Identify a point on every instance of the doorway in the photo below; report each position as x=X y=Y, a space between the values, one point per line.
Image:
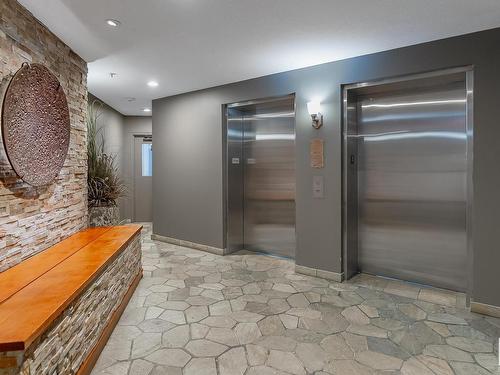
x=143 y=179
x=260 y=186
x=407 y=179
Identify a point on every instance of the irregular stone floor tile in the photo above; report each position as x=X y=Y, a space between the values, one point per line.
x=196 y=313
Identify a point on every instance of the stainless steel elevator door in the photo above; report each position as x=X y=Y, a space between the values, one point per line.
x=234 y=189
x=412 y=171
x=269 y=178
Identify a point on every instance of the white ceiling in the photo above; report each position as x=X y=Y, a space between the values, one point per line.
x=187 y=45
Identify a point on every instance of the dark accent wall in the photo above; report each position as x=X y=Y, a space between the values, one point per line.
x=188 y=138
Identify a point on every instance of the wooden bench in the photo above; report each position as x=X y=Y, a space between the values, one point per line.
x=58 y=308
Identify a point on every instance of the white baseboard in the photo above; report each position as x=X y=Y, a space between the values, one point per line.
x=192 y=245
x=329 y=275
x=485 y=309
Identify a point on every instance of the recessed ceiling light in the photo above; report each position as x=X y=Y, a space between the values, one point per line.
x=152 y=83
x=146 y=109
x=113 y=23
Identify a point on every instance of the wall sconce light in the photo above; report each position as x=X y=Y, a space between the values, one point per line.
x=314 y=109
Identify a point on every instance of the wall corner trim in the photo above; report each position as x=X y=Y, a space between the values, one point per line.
x=485 y=309
x=329 y=275
x=192 y=245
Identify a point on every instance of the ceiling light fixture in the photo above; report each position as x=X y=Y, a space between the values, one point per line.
x=113 y=23
x=146 y=109
x=152 y=84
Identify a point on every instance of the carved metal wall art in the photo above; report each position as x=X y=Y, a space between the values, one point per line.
x=35 y=124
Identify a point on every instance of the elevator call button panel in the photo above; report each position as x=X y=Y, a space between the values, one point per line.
x=318 y=187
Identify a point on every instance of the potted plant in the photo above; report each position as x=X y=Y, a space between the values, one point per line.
x=104 y=183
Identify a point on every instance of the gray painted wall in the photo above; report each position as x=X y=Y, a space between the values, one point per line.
x=118 y=131
x=110 y=125
x=188 y=139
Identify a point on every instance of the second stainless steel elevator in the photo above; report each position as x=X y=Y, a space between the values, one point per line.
x=408 y=178
x=260 y=178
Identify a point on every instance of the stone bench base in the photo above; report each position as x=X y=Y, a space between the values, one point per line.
x=74 y=340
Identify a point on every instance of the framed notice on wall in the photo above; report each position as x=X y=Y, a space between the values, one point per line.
x=316 y=153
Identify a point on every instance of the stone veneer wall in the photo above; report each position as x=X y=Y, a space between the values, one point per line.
x=67 y=342
x=33 y=219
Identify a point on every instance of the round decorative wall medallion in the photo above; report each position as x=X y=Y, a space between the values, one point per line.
x=35 y=124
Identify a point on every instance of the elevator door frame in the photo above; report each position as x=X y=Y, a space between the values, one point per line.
x=225 y=156
x=349 y=124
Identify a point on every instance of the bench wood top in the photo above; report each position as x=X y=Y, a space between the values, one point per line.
x=38 y=289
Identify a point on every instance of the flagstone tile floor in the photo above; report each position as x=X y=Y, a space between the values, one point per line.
x=196 y=313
